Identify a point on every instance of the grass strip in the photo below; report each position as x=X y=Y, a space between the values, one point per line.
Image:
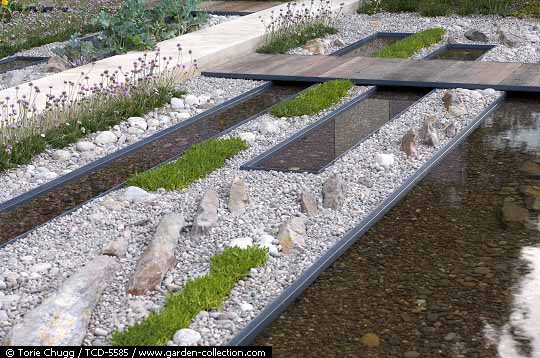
x=411 y=44
x=100 y=115
x=203 y=293
x=196 y=163
x=283 y=42
x=314 y=100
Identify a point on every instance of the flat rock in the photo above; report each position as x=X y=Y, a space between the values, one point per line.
x=85 y=146
x=238 y=196
x=476 y=35
x=106 y=137
x=333 y=192
x=158 y=257
x=62 y=319
x=315 y=46
x=117 y=247
x=191 y=100
x=187 y=337
x=384 y=160
x=61 y=154
x=308 y=203
x=138 y=122
x=137 y=195
x=177 y=103
x=292 y=234
x=207 y=214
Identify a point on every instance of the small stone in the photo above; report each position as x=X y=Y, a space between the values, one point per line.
x=384 y=160
x=61 y=154
x=187 y=337
x=333 y=192
x=137 y=195
x=409 y=143
x=85 y=146
x=41 y=268
x=457 y=111
x=177 y=103
x=450 y=337
x=245 y=307
x=238 y=196
x=292 y=234
x=191 y=100
x=247 y=136
x=450 y=130
x=138 y=122
x=370 y=340
x=117 y=247
x=315 y=46
x=476 y=35
x=106 y=137
x=449 y=99
x=100 y=332
x=268 y=127
x=308 y=203
x=228 y=316
x=241 y=242
x=3 y=316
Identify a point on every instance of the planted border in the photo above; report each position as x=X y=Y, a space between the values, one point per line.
x=410 y=45
x=196 y=163
x=314 y=100
x=204 y=293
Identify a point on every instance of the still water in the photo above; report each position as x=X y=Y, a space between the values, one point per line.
x=442 y=275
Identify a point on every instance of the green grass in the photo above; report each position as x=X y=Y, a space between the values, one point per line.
x=100 y=115
x=204 y=293
x=314 y=100
x=283 y=42
x=410 y=45
x=196 y=163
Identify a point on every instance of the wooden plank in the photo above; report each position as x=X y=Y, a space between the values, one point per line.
x=346 y=69
x=525 y=75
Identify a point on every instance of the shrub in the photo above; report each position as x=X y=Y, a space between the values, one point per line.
x=83 y=109
x=297 y=25
x=196 y=163
x=203 y=293
x=411 y=44
x=314 y=99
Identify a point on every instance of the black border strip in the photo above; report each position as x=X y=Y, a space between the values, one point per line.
x=224 y=106
x=252 y=164
x=99 y=163
x=447 y=47
x=278 y=305
x=365 y=40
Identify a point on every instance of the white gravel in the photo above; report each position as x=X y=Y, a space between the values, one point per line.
x=69 y=242
x=352 y=28
x=46 y=166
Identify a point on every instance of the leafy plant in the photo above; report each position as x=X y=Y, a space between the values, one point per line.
x=196 y=163
x=135 y=27
x=314 y=100
x=408 y=46
x=203 y=293
x=79 y=52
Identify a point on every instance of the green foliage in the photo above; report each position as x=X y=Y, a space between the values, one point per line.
x=529 y=9
x=105 y=113
x=314 y=100
x=78 y=52
x=285 y=42
x=196 y=163
x=410 y=45
x=203 y=293
x=135 y=27
x=438 y=7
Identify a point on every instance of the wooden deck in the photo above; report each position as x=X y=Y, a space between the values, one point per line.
x=238 y=6
x=382 y=71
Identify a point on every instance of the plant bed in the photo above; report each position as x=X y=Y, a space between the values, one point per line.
x=273 y=198
x=370 y=45
x=412 y=44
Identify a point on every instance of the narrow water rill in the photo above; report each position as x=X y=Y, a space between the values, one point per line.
x=369 y=46
x=22 y=214
x=19 y=62
x=336 y=134
x=452 y=271
x=460 y=52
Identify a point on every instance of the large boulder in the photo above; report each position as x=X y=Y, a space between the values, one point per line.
x=333 y=192
x=292 y=234
x=62 y=319
x=476 y=35
x=158 y=257
x=207 y=214
x=238 y=196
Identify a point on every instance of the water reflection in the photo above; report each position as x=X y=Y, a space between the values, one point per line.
x=459 y=54
x=320 y=147
x=373 y=46
x=444 y=274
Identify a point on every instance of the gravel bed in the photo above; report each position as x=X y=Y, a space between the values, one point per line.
x=55 y=163
x=31 y=73
x=69 y=242
x=352 y=28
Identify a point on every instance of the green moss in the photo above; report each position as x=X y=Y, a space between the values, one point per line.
x=410 y=45
x=314 y=100
x=204 y=293
x=196 y=163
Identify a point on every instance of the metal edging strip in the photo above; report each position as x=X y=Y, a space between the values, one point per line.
x=30 y=195
x=251 y=165
x=277 y=306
